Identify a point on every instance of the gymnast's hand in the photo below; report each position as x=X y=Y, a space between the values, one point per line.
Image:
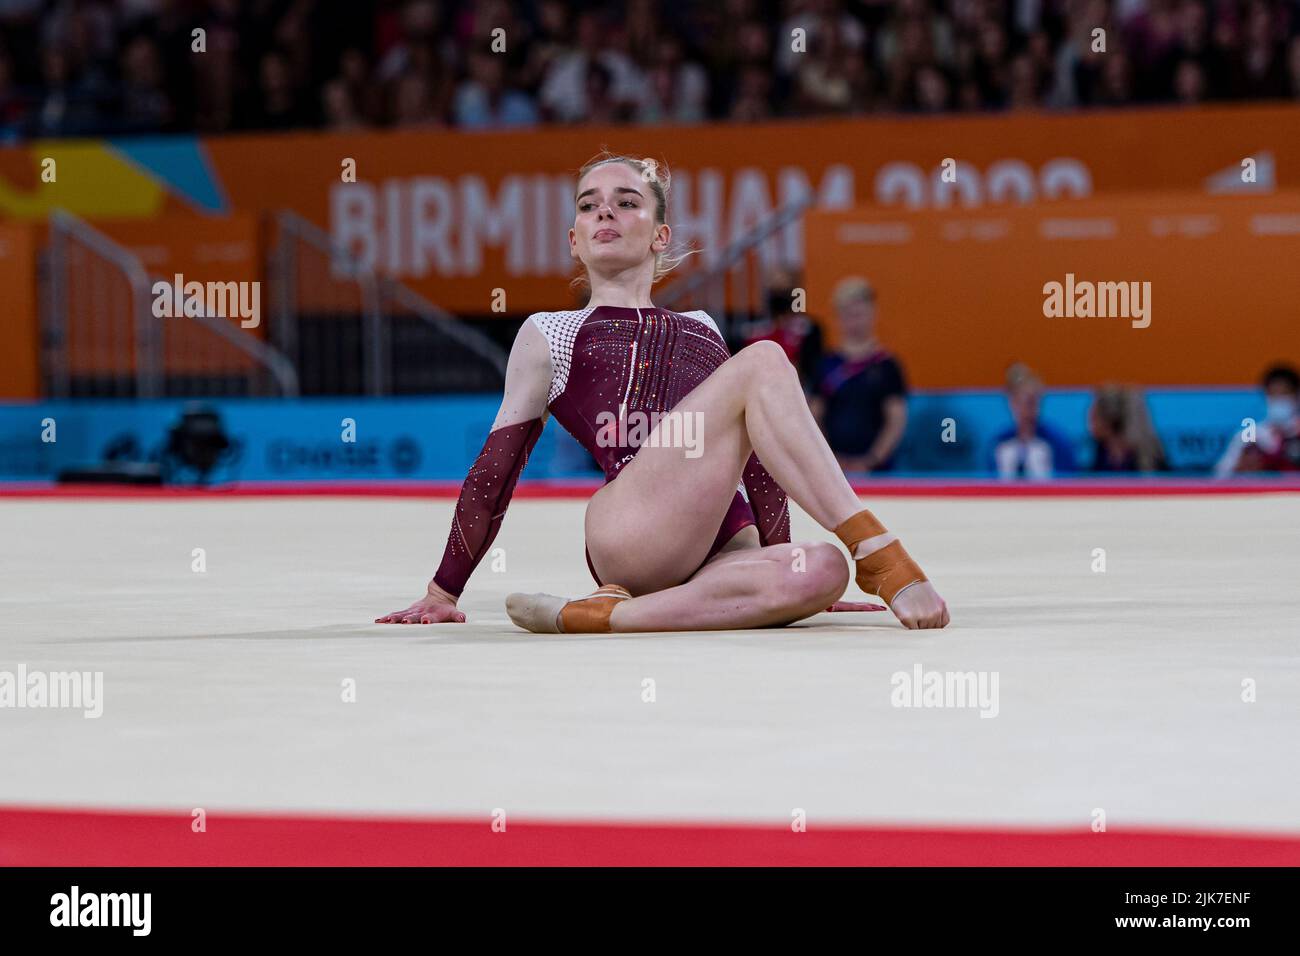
x=436 y=607
x=856 y=606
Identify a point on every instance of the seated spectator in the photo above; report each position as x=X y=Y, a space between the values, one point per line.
x=414 y=102
x=603 y=107
x=366 y=98
x=66 y=106
x=821 y=82
x=550 y=42
x=571 y=81
x=419 y=26
x=144 y=104
x=860 y=396
x=676 y=91
x=1259 y=70
x=930 y=92
x=1276 y=444
x=13 y=107
x=339 y=107
x=799 y=336
x=753 y=100
x=276 y=106
x=1122 y=434
x=484 y=101
x=1293 y=66
x=1030 y=448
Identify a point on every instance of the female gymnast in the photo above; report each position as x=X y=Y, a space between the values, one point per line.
x=678 y=539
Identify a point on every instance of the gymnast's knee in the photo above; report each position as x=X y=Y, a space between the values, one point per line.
x=765 y=358
x=815 y=576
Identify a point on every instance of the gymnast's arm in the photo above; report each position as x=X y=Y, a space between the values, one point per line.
x=486 y=493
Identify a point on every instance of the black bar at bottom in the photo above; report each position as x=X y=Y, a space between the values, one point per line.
x=331 y=906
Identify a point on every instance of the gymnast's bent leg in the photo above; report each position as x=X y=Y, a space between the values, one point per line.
x=656 y=521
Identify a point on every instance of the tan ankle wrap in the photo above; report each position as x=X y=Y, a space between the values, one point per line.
x=888 y=571
x=860 y=527
x=590 y=615
x=884 y=572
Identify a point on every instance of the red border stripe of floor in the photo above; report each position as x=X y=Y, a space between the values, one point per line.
x=40 y=837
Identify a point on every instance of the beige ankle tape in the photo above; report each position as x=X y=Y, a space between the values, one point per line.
x=888 y=571
x=860 y=527
x=590 y=615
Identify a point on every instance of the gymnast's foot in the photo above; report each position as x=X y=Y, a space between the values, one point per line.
x=919 y=607
x=548 y=614
x=885 y=568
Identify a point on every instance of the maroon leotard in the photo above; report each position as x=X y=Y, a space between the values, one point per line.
x=606 y=359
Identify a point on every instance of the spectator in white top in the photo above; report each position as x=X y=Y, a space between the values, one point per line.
x=564 y=93
x=816 y=18
x=1030 y=448
x=483 y=101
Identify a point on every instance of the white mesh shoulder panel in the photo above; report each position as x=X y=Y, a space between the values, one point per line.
x=704 y=317
x=560 y=329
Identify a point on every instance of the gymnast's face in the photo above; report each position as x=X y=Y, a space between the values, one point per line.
x=614 y=226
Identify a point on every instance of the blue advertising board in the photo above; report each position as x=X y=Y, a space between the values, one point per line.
x=436 y=439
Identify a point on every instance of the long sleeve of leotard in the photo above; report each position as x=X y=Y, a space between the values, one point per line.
x=483 y=501
x=769 y=503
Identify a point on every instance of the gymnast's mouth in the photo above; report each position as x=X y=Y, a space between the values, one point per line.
x=606 y=235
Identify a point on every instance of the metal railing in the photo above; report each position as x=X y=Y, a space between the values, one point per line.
x=102 y=337
x=271 y=359
x=734 y=289
x=352 y=331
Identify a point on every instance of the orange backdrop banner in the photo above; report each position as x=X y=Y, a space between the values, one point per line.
x=200 y=248
x=460 y=216
x=477 y=222
x=20 y=349
x=1156 y=289
x=470 y=218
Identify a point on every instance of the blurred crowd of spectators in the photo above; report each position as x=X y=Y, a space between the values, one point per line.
x=96 y=67
x=1123 y=437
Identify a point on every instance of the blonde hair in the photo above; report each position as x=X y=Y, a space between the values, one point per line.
x=657 y=176
x=1021 y=376
x=1124 y=409
x=853 y=289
